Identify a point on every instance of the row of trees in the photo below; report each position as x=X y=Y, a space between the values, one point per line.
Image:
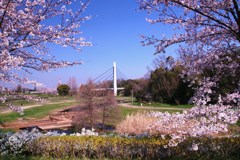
x=163 y=84
x=166 y=83
x=207 y=41
x=209 y=33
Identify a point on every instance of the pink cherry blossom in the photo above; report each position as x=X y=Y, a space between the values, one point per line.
x=25 y=30
x=207 y=34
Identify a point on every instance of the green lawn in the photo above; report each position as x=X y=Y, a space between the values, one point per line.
x=125 y=111
x=36 y=112
x=60 y=98
x=49 y=98
x=18 y=103
x=42 y=111
x=156 y=104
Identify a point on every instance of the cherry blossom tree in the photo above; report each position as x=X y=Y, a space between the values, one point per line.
x=26 y=29
x=208 y=39
x=27 y=26
x=207 y=34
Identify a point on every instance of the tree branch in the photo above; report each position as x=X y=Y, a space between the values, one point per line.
x=5 y=12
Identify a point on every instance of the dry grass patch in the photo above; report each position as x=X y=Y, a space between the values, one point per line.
x=136 y=123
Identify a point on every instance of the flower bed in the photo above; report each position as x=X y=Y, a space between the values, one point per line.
x=134 y=148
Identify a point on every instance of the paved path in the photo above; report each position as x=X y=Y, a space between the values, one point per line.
x=128 y=105
x=7 y=110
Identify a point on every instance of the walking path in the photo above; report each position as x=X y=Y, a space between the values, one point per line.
x=128 y=105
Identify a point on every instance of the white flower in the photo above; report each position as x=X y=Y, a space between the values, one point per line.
x=194 y=147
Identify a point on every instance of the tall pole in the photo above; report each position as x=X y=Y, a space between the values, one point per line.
x=114 y=79
x=132 y=95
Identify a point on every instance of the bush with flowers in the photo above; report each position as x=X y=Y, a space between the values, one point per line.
x=88 y=144
x=16 y=143
x=100 y=147
x=202 y=120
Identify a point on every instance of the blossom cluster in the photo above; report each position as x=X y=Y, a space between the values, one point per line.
x=205 y=120
x=19 y=108
x=15 y=143
x=16 y=108
x=208 y=45
x=203 y=22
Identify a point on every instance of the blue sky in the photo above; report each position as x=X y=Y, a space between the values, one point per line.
x=114 y=31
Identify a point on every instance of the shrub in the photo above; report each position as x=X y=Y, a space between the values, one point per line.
x=134 y=148
x=15 y=143
x=96 y=147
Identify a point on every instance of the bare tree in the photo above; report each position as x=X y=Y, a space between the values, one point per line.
x=97 y=105
x=72 y=83
x=87 y=103
x=107 y=107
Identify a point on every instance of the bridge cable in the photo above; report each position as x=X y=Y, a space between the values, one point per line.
x=102 y=74
x=105 y=77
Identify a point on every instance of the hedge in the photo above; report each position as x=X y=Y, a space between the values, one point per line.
x=134 y=148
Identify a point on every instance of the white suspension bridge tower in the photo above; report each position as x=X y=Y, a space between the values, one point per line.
x=114 y=79
x=112 y=72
